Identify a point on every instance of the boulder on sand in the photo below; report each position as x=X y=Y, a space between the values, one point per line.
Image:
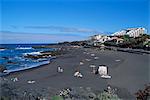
x=78 y=74
x=103 y=71
x=59 y=69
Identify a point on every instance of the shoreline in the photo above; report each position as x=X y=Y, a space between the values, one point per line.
x=121 y=71
x=43 y=58
x=7 y=72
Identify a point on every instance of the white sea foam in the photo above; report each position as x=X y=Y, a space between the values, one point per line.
x=33 y=53
x=41 y=59
x=24 y=68
x=24 y=48
x=2 y=49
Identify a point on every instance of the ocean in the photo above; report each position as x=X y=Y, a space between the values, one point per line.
x=12 y=56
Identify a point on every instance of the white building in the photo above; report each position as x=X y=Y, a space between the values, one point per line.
x=132 y=32
x=100 y=38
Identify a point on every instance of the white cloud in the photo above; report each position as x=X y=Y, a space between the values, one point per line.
x=15 y=37
x=64 y=29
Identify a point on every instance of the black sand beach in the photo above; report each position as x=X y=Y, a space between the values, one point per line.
x=130 y=72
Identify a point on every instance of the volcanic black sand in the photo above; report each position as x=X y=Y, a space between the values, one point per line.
x=129 y=72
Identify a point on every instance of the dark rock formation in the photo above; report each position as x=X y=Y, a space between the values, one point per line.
x=2 y=68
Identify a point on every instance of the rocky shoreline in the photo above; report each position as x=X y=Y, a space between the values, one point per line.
x=39 y=56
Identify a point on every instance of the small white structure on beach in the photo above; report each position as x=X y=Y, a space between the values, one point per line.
x=103 y=71
x=78 y=74
x=93 y=68
x=31 y=82
x=92 y=54
x=88 y=60
x=81 y=63
x=14 y=79
x=60 y=70
x=117 y=60
x=96 y=58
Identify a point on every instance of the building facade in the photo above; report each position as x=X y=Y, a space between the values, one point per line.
x=100 y=38
x=132 y=32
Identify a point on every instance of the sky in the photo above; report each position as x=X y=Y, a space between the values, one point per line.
x=50 y=21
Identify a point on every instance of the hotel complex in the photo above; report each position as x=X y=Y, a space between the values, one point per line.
x=132 y=32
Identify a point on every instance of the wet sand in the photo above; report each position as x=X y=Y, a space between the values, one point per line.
x=129 y=72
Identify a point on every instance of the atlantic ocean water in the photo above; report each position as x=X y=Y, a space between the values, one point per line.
x=12 y=56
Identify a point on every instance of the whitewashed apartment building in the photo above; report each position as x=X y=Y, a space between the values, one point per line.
x=132 y=32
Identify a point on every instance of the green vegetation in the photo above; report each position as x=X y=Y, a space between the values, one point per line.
x=126 y=38
x=57 y=98
x=87 y=94
x=111 y=43
x=108 y=96
x=141 y=42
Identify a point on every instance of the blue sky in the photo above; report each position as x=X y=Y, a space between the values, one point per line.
x=47 y=21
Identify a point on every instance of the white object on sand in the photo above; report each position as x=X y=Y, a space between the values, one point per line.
x=103 y=71
x=88 y=59
x=92 y=54
x=117 y=60
x=14 y=79
x=92 y=66
x=60 y=70
x=78 y=74
x=96 y=58
x=31 y=82
x=81 y=63
x=106 y=76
